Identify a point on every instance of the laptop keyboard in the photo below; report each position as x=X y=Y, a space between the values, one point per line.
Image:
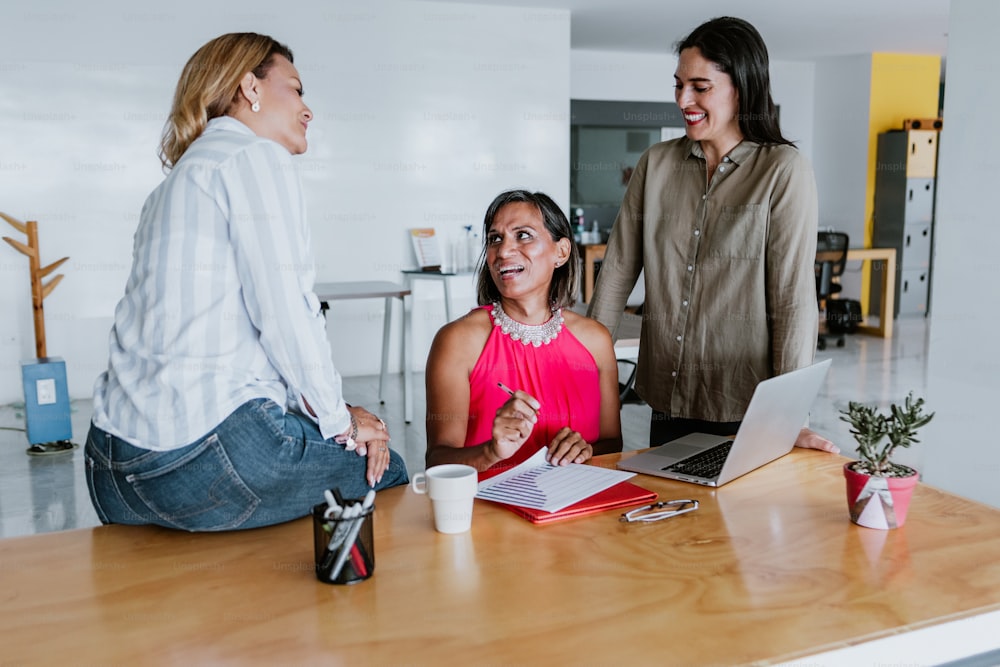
x=707 y=464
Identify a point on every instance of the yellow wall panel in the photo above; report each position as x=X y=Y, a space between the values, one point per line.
x=902 y=86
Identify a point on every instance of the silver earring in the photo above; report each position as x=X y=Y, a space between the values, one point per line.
x=255 y=107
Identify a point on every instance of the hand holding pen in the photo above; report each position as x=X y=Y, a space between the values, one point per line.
x=568 y=446
x=514 y=422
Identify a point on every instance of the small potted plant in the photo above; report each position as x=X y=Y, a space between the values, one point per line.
x=878 y=490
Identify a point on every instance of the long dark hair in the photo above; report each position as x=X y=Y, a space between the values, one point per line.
x=737 y=49
x=565 y=278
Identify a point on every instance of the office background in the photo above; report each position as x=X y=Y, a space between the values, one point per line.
x=424 y=110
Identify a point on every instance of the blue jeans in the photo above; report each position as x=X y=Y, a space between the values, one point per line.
x=257 y=468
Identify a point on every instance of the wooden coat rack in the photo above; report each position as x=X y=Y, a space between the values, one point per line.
x=38 y=290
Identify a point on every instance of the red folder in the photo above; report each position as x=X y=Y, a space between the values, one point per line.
x=623 y=494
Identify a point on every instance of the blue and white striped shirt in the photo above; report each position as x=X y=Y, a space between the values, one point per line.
x=219 y=307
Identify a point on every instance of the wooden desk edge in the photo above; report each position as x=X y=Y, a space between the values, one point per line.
x=899 y=632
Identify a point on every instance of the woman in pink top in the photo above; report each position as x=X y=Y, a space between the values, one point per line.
x=559 y=365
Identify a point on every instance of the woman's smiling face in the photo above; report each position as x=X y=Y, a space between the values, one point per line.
x=708 y=100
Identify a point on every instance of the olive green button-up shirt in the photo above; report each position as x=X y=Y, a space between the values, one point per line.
x=729 y=274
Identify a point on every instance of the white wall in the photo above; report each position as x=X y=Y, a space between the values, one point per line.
x=423 y=112
x=792 y=86
x=963 y=362
x=622 y=76
x=840 y=131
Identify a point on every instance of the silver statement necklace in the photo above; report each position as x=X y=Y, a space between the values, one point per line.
x=528 y=334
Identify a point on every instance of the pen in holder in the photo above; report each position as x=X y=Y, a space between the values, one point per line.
x=343 y=543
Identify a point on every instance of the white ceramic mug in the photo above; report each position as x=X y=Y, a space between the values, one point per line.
x=451 y=488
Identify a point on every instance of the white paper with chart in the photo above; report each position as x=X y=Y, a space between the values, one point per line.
x=539 y=485
x=425 y=245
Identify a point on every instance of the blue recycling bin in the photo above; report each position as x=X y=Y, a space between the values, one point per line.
x=46 y=400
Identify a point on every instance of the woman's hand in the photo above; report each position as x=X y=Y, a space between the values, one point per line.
x=371 y=440
x=568 y=447
x=812 y=440
x=513 y=424
x=378 y=460
x=369 y=428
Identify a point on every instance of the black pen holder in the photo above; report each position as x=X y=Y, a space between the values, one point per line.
x=344 y=548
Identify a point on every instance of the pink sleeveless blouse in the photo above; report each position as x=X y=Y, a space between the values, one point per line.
x=562 y=375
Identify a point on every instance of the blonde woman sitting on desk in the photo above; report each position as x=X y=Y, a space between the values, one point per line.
x=221 y=408
x=519 y=372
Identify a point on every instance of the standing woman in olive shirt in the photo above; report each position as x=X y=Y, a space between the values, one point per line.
x=724 y=223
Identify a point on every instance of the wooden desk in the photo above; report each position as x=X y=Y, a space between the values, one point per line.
x=378 y=289
x=592 y=253
x=772 y=555
x=888 y=287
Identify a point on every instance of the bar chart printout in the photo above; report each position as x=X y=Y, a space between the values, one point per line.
x=539 y=485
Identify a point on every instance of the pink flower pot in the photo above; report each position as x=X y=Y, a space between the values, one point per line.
x=878 y=502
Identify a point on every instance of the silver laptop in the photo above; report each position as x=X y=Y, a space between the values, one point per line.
x=777 y=411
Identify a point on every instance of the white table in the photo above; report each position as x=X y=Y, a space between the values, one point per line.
x=441 y=276
x=378 y=289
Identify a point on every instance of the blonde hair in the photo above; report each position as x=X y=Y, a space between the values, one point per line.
x=209 y=86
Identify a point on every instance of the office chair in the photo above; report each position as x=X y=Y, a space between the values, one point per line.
x=831 y=258
x=626 y=382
